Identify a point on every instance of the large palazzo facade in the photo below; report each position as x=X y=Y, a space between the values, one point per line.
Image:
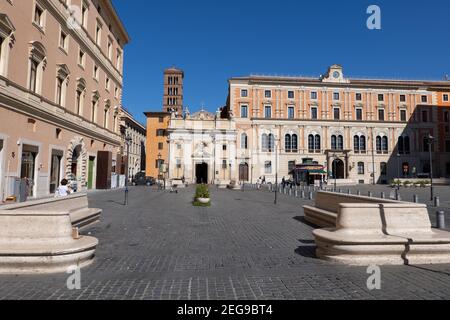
x=60 y=94
x=360 y=131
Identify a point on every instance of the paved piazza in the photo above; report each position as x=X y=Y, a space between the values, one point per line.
x=243 y=247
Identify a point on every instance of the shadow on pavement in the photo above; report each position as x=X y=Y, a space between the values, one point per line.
x=304 y=221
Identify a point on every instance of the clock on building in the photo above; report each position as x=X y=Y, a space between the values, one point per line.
x=336 y=74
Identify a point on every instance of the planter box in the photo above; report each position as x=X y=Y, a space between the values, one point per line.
x=204 y=200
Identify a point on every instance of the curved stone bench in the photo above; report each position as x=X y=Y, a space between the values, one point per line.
x=77 y=205
x=383 y=234
x=41 y=242
x=325 y=211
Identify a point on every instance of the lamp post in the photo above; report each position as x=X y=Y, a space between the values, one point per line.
x=276 y=169
x=128 y=142
x=430 y=147
x=159 y=167
x=335 y=157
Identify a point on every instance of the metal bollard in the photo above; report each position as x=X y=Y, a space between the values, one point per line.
x=398 y=197
x=290 y=192
x=358 y=193
x=296 y=193
x=349 y=191
x=437 y=202
x=370 y=194
x=440 y=219
x=383 y=195
x=416 y=198
x=311 y=196
x=303 y=194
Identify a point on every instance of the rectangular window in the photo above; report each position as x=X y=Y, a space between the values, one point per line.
x=403 y=115
x=381 y=97
x=39 y=16
x=445 y=97
x=84 y=15
x=291 y=166
x=268 y=112
x=81 y=58
x=359 y=114
x=224 y=147
x=160 y=146
x=314 y=115
x=107 y=83
x=160 y=133
x=244 y=112
x=109 y=50
x=361 y=168
x=268 y=167
x=59 y=85
x=402 y=98
x=95 y=73
x=291 y=113
x=424 y=99
x=424 y=116
x=268 y=94
x=224 y=164
x=244 y=93
x=33 y=76
x=98 y=34
x=290 y=94
x=313 y=95
x=161 y=119
x=63 y=39
x=336 y=96
x=358 y=97
x=381 y=114
x=78 y=101
x=337 y=113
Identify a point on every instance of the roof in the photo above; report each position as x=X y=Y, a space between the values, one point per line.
x=117 y=20
x=174 y=70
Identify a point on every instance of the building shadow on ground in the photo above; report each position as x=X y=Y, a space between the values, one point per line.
x=306 y=251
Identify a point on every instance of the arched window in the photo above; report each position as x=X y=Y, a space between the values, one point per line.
x=294 y=143
x=340 y=143
x=317 y=143
x=244 y=141
x=311 y=143
x=271 y=142
x=385 y=145
x=265 y=143
x=401 y=145
x=288 y=143
x=379 y=148
x=356 y=144
x=7 y=39
x=407 y=143
x=62 y=77
x=362 y=144
x=333 y=142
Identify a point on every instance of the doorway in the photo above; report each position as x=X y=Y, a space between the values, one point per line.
x=91 y=173
x=55 y=170
x=28 y=168
x=338 y=169
x=243 y=172
x=201 y=173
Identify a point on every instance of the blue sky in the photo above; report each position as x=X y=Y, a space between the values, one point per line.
x=214 y=40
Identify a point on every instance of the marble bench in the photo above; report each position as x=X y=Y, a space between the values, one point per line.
x=77 y=205
x=35 y=241
x=325 y=211
x=383 y=234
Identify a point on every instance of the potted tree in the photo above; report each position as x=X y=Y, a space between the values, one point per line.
x=202 y=194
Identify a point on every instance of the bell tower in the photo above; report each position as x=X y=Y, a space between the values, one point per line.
x=173 y=90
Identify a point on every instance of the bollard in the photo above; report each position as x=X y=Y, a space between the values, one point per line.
x=358 y=193
x=370 y=194
x=437 y=202
x=440 y=219
x=303 y=194
x=296 y=193
x=383 y=195
x=311 y=196
x=416 y=198
x=398 y=197
x=290 y=192
x=349 y=191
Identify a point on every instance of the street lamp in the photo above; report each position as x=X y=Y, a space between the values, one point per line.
x=128 y=142
x=430 y=146
x=276 y=167
x=335 y=158
x=160 y=167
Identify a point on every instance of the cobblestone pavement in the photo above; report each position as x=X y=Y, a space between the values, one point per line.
x=243 y=247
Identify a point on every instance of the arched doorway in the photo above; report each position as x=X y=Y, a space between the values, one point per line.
x=201 y=172
x=338 y=169
x=76 y=161
x=243 y=172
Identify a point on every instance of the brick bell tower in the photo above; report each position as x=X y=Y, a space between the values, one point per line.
x=173 y=90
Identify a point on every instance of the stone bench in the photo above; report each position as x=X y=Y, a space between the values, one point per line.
x=382 y=234
x=77 y=205
x=33 y=241
x=325 y=211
